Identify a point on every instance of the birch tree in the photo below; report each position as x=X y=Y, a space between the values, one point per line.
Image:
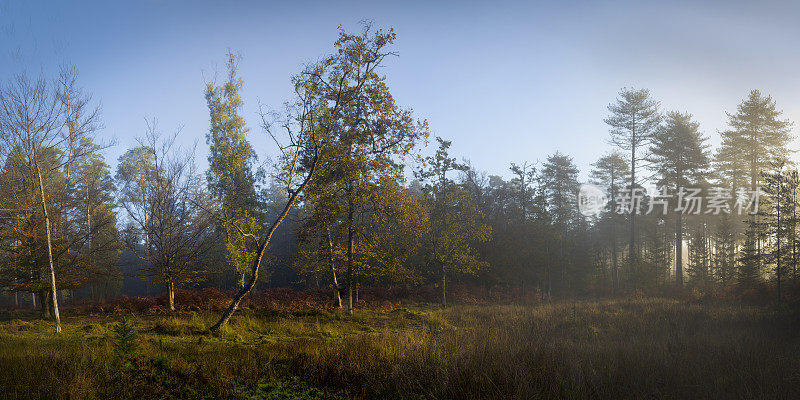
x=167 y=227
x=43 y=126
x=456 y=222
x=230 y=175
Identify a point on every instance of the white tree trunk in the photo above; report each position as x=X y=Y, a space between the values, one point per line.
x=49 y=252
x=171 y=290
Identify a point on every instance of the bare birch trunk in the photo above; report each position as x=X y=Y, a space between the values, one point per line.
x=337 y=296
x=171 y=295
x=632 y=253
x=49 y=251
x=88 y=227
x=350 y=256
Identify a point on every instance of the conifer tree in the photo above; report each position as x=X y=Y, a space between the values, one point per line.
x=777 y=214
x=679 y=156
x=634 y=119
x=611 y=171
x=699 y=264
x=560 y=182
x=724 y=243
x=749 y=258
x=756 y=136
x=42 y=128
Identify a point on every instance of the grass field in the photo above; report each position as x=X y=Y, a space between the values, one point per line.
x=644 y=348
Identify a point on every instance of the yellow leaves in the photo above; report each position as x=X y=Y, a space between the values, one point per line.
x=242 y=235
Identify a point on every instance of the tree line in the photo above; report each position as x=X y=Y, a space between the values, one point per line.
x=365 y=206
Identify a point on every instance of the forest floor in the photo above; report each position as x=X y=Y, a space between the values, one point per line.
x=638 y=348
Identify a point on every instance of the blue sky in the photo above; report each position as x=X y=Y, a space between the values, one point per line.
x=505 y=81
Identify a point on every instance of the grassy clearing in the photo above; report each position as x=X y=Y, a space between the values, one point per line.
x=608 y=349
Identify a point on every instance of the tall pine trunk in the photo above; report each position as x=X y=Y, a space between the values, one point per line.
x=778 y=248
x=632 y=253
x=679 y=249
x=615 y=269
x=793 y=236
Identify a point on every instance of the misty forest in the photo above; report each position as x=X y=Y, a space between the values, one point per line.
x=366 y=258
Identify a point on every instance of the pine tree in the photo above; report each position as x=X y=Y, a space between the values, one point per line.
x=680 y=157
x=777 y=214
x=94 y=197
x=699 y=264
x=634 y=120
x=792 y=181
x=757 y=135
x=749 y=271
x=656 y=255
x=559 y=177
x=611 y=171
x=514 y=225
x=724 y=257
x=125 y=336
